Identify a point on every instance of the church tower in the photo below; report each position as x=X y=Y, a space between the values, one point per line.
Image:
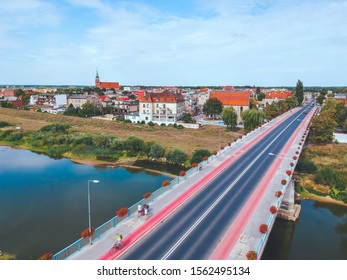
x=97 y=80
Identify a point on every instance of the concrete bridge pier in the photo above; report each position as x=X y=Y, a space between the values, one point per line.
x=289 y=210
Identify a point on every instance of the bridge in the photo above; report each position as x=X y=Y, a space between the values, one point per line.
x=224 y=211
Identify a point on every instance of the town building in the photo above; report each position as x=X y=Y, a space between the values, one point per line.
x=239 y=100
x=79 y=100
x=163 y=107
x=51 y=100
x=275 y=96
x=105 y=85
x=7 y=92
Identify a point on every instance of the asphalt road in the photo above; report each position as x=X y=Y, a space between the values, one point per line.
x=193 y=231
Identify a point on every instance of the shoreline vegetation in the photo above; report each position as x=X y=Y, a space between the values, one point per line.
x=98 y=149
x=325 y=199
x=129 y=163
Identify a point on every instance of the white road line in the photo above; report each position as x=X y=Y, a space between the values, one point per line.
x=174 y=247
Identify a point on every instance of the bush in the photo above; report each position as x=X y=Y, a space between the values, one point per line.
x=151 y=123
x=15 y=136
x=199 y=154
x=306 y=166
x=327 y=176
x=297 y=187
x=134 y=146
x=57 y=151
x=62 y=128
x=176 y=156
x=4 y=124
x=156 y=151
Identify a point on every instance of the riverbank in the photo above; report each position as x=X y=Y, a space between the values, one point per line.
x=325 y=199
x=122 y=163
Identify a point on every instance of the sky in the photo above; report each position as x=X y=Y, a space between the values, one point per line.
x=174 y=42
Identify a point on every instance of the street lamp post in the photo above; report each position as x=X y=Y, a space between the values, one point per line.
x=89 y=219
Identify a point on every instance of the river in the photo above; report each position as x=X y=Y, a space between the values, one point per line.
x=44 y=202
x=43 y=207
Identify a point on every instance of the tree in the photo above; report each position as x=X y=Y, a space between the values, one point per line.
x=271 y=111
x=320 y=99
x=187 y=118
x=176 y=156
x=71 y=111
x=337 y=110
x=134 y=145
x=252 y=104
x=229 y=117
x=261 y=96
x=252 y=119
x=291 y=102
x=213 y=107
x=19 y=92
x=156 y=151
x=199 y=154
x=25 y=99
x=299 y=91
x=89 y=110
x=322 y=128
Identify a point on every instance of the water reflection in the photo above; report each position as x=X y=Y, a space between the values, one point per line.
x=319 y=234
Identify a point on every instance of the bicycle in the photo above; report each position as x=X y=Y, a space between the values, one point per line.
x=118 y=245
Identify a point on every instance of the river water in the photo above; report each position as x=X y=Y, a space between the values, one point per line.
x=43 y=207
x=44 y=202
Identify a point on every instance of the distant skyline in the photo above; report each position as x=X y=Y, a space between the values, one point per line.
x=178 y=42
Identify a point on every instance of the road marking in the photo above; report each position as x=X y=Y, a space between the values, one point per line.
x=174 y=247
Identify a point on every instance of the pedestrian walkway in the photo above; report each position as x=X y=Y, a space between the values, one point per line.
x=250 y=238
x=129 y=225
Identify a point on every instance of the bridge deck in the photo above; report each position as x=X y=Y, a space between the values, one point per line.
x=132 y=228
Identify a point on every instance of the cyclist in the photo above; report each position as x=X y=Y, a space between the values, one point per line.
x=118 y=239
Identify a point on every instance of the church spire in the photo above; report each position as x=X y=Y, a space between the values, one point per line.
x=97 y=79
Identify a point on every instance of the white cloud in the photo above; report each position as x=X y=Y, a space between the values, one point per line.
x=240 y=42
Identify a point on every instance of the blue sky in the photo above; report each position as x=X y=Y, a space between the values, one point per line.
x=174 y=42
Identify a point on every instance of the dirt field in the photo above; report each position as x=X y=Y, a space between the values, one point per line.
x=187 y=140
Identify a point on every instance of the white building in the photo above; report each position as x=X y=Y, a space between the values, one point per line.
x=163 y=107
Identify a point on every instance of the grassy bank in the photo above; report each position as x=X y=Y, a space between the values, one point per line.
x=60 y=140
x=323 y=172
x=187 y=140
